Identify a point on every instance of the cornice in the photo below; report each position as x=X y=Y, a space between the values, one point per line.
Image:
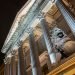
x=17 y=19
x=24 y=23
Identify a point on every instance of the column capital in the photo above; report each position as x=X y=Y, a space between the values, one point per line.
x=29 y=30
x=41 y=15
x=19 y=43
x=13 y=52
x=7 y=60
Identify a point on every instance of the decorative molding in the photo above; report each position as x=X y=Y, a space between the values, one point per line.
x=13 y=52
x=29 y=30
x=38 y=5
x=7 y=60
x=70 y=61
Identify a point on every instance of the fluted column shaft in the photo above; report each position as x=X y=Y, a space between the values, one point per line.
x=7 y=69
x=35 y=64
x=46 y=34
x=13 y=66
x=21 y=65
x=67 y=15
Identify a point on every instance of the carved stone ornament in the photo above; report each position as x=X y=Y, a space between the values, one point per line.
x=7 y=60
x=58 y=37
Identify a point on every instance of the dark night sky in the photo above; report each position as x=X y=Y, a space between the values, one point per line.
x=8 y=11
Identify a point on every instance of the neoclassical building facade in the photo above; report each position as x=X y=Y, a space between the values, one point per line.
x=41 y=40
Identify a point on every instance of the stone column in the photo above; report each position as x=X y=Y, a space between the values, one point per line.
x=35 y=64
x=48 y=63
x=7 y=66
x=46 y=35
x=21 y=65
x=5 y=72
x=7 y=69
x=25 y=61
x=13 y=65
x=67 y=15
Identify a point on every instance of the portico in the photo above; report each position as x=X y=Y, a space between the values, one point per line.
x=30 y=45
